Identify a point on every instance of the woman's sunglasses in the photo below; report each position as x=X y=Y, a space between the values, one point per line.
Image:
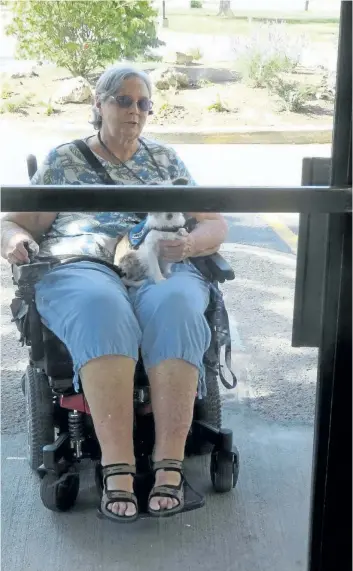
x=144 y=104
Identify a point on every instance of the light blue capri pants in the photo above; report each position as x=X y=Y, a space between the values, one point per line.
x=86 y=305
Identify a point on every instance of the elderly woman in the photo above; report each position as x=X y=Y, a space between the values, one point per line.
x=104 y=324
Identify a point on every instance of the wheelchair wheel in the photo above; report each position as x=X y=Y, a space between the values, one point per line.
x=209 y=410
x=224 y=470
x=59 y=494
x=40 y=415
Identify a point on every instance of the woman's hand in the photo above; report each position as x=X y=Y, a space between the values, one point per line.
x=205 y=239
x=177 y=250
x=16 y=252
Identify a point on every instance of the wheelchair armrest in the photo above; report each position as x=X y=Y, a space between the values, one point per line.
x=219 y=267
x=29 y=274
x=214 y=268
x=32 y=166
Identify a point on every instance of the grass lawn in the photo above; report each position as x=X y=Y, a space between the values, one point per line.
x=201 y=22
x=264 y=15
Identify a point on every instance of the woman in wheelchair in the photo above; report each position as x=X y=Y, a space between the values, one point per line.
x=104 y=324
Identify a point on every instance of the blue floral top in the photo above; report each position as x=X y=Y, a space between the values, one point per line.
x=97 y=233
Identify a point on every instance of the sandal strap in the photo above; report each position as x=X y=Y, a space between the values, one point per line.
x=169 y=491
x=117 y=470
x=168 y=465
x=111 y=496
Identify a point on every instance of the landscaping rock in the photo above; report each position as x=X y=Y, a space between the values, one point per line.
x=183 y=59
x=179 y=58
x=165 y=78
x=75 y=90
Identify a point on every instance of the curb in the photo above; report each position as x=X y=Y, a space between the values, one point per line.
x=244 y=136
x=301 y=135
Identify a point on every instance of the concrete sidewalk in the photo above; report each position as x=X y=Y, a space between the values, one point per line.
x=261 y=526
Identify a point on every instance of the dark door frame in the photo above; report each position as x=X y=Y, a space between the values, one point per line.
x=330 y=541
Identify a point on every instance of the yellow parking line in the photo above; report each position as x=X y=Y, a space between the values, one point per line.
x=282 y=230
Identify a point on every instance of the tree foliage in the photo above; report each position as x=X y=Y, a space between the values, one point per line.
x=82 y=35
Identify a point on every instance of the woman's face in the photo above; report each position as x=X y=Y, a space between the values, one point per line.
x=125 y=122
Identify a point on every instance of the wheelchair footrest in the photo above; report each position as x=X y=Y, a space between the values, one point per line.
x=192 y=501
x=143 y=484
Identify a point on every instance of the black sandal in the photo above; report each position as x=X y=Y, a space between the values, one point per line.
x=113 y=496
x=168 y=490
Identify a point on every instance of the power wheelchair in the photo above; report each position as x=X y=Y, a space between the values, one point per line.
x=60 y=428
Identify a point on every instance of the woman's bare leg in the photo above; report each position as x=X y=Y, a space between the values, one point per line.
x=173 y=388
x=108 y=386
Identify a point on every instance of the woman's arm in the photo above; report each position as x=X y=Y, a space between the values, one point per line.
x=21 y=227
x=209 y=234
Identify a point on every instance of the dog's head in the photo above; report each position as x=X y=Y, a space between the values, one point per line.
x=165 y=220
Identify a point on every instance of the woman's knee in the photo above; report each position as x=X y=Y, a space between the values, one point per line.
x=176 y=329
x=91 y=316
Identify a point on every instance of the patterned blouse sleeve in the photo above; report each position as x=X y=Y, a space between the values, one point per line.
x=46 y=172
x=178 y=168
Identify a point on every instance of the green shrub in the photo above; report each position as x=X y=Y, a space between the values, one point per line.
x=268 y=52
x=204 y=82
x=195 y=4
x=80 y=35
x=49 y=110
x=6 y=93
x=260 y=69
x=12 y=107
x=292 y=94
x=218 y=106
x=17 y=104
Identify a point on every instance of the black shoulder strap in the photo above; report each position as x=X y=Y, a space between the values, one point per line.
x=97 y=166
x=93 y=162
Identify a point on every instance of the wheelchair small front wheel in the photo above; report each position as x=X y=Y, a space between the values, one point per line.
x=59 y=494
x=224 y=470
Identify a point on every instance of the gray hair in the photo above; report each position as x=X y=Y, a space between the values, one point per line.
x=109 y=84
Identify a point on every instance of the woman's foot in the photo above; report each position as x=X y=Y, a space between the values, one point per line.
x=119 y=503
x=124 y=483
x=171 y=482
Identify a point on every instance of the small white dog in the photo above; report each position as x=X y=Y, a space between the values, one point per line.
x=145 y=262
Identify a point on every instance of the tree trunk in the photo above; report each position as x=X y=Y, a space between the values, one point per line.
x=225 y=9
x=306 y=5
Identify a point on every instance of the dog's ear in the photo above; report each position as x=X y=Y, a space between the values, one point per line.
x=181 y=181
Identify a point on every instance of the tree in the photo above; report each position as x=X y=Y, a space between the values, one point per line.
x=82 y=35
x=225 y=9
